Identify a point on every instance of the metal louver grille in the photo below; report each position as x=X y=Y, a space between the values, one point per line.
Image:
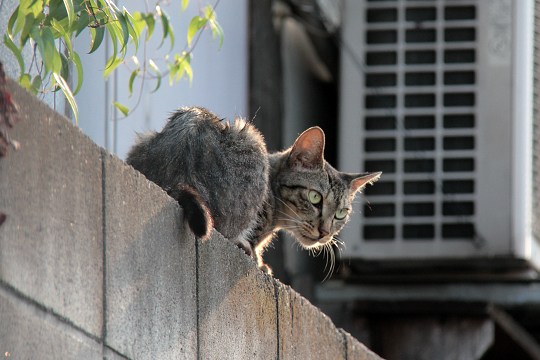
x=419 y=119
x=536 y=126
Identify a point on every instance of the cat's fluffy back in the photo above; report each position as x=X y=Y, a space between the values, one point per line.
x=227 y=163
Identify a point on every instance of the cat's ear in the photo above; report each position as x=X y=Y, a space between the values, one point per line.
x=359 y=181
x=308 y=149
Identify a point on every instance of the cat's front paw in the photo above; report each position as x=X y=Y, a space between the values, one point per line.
x=246 y=246
x=266 y=269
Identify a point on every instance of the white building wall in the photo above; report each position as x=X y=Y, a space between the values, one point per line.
x=220 y=79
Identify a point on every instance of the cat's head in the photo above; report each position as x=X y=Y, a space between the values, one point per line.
x=314 y=200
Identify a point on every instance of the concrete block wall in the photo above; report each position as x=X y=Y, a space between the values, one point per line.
x=96 y=263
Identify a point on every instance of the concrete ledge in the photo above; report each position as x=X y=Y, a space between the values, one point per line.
x=356 y=350
x=298 y=319
x=236 y=301
x=150 y=268
x=96 y=262
x=51 y=244
x=28 y=332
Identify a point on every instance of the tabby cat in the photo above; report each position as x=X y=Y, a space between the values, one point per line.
x=223 y=177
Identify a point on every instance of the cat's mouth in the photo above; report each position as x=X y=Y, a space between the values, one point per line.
x=304 y=235
x=309 y=241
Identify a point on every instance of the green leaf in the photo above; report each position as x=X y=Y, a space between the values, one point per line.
x=189 y=71
x=112 y=64
x=184 y=63
x=68 y=94
x=70 y=11
x=58 y=28
x=22 y=11
x=180 y=67
x=158 y=84
x=66 y=35
x=25 y=80
x=171 y=34
x=16 y=51
x=124 y=109
x=132 y=80
x=80 y=74
x=111 y=6
x=196 y=24
x=167 y=28
x=29 y=24
x=81 y=23
x=114 y=38
x=49 y=54
x=153 y=66
x=151 y=23
x=173 y=70
x=138 y=22
x=47 y=49
x=124 y=35
x=209 y=13
x=65 y=66
x=27 y=15
x=131 y=29
x=11 y=22
x=185 y=4
x=217 y=30
x=37 y=83
x=136 y=61
x=156 y=70
x=97 y=38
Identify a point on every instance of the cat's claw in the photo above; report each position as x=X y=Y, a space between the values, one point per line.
x=246 y=246
x=266 y=269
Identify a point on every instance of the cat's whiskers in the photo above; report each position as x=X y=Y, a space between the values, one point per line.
x=296 y=245
x=290 y=227
x=330 y=260
x=296 y=223
x=289 y=207
x=340 y=244
x=315 y=251
x=337 y=241
x=289 y=218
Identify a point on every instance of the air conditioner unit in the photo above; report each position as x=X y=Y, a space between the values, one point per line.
x=440 y=96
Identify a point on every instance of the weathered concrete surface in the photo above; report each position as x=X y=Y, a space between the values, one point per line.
x=236 y=301
x=150 y=269
x=28 y=332
x=356 y=350
x=51 y=243
x=95 y=262
x=109 y=354
x=299 y=320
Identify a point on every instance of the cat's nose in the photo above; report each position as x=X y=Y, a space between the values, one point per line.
x=323 y=232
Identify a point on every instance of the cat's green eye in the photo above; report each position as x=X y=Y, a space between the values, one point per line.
x=314 y=197
x=341 y=213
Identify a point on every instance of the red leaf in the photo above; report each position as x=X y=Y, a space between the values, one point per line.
x=8 y=116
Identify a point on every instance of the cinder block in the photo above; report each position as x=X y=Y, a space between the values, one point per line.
x=356 y=350
x=150 y=269
x=51 y=242
x=237 y=306
x=304 y=331
x=109 y=354
x=28 y=332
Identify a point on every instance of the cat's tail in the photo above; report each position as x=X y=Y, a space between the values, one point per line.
x=196 y=211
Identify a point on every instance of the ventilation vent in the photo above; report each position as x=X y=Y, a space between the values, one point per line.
x=419 y=119
x=536 y=129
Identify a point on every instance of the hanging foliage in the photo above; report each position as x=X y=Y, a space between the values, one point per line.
x=50 y=26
